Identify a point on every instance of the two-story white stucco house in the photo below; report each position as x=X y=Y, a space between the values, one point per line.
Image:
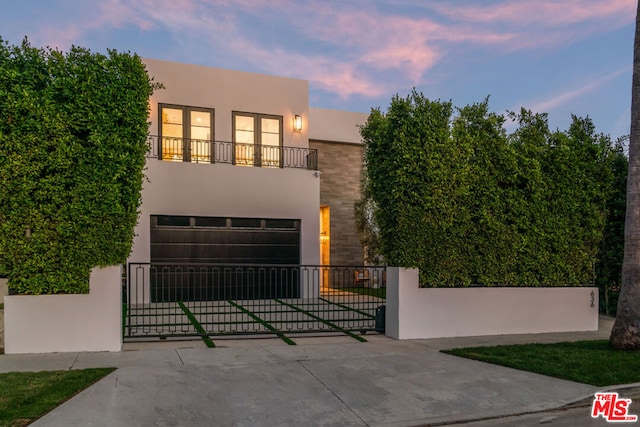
x=246 y=227
x=242 y=170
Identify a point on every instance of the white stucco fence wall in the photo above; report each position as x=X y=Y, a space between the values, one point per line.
x=67 y=323
x=413 y=312
x=4 y=290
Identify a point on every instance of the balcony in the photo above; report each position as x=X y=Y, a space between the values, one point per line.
x=250 y=155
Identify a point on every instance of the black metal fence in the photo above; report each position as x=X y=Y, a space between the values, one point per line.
x=208 y=151
x=171 y=283
x=163 y=300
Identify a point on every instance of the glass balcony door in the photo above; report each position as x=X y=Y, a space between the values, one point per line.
x=172 y=134
x=200 y=141
x=186 y=134
x=257 y=139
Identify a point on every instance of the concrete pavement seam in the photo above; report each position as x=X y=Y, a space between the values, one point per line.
x=178 y=354
x=331 y=391
x=75 y=359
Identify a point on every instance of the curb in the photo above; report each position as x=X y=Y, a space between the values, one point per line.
x=627 y=390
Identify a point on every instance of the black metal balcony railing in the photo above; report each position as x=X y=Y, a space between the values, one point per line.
x=208 y=151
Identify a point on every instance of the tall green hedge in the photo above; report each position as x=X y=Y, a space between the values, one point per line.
x=73 y=130
x=611 y=252
x=456 y=195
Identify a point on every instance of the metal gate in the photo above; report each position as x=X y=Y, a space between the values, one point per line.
x=167 y=300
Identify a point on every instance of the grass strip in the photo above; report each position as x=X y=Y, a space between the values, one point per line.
x=198 y=327
x=320 y=319
x=374 y=292
x=161 y=325
x=588 y=362
x=346 y=307
x=27 y=396
x=280 y=335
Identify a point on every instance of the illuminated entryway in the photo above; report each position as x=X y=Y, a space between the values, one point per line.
x=325 y=236
x=325 y=244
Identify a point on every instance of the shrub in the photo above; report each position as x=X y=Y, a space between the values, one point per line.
x=73 y=129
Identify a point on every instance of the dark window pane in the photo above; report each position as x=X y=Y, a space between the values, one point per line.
x=281 y=223
x=246 y=222
x=202 y=221
x=173 y=221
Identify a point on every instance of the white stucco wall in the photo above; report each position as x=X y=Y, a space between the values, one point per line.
x=4 y=290
x=177 y=188
x=67 y=323
x=413 y=312
x=226 y=91
x=335 y=125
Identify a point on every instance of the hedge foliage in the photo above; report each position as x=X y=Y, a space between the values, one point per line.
x=456 y=195
x=611 y=252
x=73 y=130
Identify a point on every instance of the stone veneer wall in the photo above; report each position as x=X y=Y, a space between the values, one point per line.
x=340 y=164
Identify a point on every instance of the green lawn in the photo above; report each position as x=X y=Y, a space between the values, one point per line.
x=379 y=292
x=589 y=362
x=27 y=396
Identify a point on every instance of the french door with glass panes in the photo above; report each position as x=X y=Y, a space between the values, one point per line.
x=186 y=134
x=257 y=139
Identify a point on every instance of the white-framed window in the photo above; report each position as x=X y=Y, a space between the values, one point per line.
x=186 y=134
x=257 y=139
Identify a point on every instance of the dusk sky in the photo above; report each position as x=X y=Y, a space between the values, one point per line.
x=554 y=56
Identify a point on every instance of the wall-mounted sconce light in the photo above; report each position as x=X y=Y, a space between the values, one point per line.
x=297 y=123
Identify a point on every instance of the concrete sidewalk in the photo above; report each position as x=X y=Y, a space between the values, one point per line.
x=320 y=381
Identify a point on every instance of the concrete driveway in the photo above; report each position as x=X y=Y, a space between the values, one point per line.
x=320 y=381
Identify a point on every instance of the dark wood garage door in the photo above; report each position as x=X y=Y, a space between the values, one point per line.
x=217 y=258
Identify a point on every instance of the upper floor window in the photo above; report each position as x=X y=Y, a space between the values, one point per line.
x=257 y=139
x=186 y=133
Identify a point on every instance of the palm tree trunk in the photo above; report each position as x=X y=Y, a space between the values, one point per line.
x=626 y=329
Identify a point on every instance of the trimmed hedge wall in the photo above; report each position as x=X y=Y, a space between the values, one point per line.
x=467 y=203
x=73 y=130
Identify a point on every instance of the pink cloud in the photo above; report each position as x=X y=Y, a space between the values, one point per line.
x=574 y=93
x=345 y=82
x=57 y=38
x=117 y=13
x=344 y=70
x=542 y=12
x=345 y=78
x=411 y=58
x=69 y=30
x=360 y=44
x=360 y=39
x=371 y=39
